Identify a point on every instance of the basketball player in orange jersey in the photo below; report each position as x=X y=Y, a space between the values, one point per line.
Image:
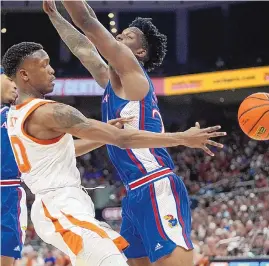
x=40 y=133
x=160 y=232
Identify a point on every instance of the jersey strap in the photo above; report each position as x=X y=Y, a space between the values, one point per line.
x=29 y=112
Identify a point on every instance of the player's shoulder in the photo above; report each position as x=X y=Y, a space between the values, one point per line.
x=4 y=113
x=4 y=109
x=42 y=108
x=48 y=109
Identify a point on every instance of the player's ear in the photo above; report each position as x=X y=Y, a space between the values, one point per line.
x=23 y=74
x=141 y=53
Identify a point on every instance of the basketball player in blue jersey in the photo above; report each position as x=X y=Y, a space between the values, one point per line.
x=13 y=199
x=156 y=213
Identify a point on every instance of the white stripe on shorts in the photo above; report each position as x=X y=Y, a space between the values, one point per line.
x=23 y=214
x=167 y=206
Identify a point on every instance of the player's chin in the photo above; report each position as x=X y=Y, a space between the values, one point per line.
x=50 y=87
x=12 y=97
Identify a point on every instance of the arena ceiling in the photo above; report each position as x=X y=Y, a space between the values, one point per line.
x=103 y=6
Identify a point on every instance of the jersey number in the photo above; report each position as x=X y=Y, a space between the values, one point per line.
x=20 y=154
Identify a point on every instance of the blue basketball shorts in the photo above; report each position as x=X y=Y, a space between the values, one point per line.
x=13 y=221
x=157 y=218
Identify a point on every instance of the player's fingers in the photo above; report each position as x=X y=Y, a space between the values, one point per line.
x=214 y=143
x=130 y=118
x=123 y=120
x=116 y=120
x=216 y=134
x=197 y=124
x=118 y=125
x=209 y=152
x=211 y=129
x=45 y=5
x=51 y=5
x=120 y=121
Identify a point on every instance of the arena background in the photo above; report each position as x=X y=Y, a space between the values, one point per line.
x=218 y=53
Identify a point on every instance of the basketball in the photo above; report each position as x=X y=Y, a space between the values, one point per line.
x=253 y=116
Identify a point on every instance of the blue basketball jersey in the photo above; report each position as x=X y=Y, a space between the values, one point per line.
x=9 y=169
x=13 y=198
x=132 y=164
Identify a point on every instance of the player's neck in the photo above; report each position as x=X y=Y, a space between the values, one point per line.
x=25 y=96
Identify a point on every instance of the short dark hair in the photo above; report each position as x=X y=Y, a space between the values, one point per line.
x=156 y=42
x=16 y=54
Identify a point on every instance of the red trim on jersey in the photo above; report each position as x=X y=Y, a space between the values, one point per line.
x=156 y=213
x=159 y=158
x=136 y=162
x=149 y=178
x=10 y=182
x=142 y=115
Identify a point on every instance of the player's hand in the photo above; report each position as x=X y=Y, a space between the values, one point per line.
x=49 y=7
x=119 y=122
x=195 y=137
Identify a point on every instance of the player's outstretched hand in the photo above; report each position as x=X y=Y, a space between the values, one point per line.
x=49 y=7
x=119 y=122
x=197 y=137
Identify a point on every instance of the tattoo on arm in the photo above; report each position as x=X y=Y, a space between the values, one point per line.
x=66 y=116
x=92 y=13
x=80 y=46
x=70 y=35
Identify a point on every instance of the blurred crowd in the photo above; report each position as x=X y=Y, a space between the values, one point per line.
x=229 y=196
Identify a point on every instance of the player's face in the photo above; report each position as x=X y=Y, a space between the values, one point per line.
x=37 y=72
x=8 y=90
x=133 y=38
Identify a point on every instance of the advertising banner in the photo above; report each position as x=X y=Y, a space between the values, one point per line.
x=219 y=264
x=89 y=87
x=186 y=84
x=216 y=81
x=244 y=264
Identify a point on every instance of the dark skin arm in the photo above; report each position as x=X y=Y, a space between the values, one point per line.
x=83 y=146
x=54 y=119
x=78 y=43
x=118 y=55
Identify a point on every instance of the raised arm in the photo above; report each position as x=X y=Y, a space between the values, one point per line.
x=118 y=55
x=66 y=119
x=78 y=43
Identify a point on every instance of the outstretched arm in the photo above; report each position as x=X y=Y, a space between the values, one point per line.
x=83 y=146
x=118 y=55
x=78 y=43
x=66 y=119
